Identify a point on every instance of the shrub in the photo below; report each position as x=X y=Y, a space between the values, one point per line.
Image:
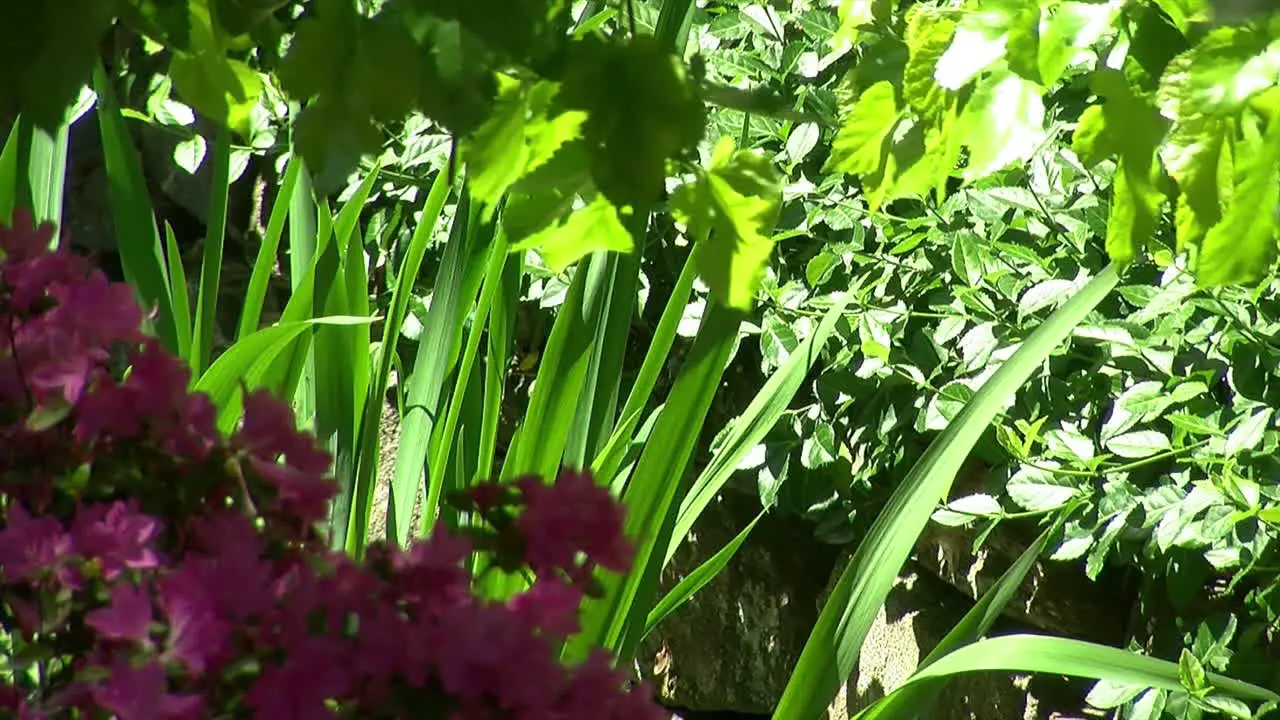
x=151 y=568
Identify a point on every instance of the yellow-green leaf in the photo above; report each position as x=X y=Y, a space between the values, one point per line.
x=861 y=144
x=585 y=230
x=218 y=87
x=521 y=135
x=1003 y=123
x=1242 y=246
x=736 y=201
x=928 y=37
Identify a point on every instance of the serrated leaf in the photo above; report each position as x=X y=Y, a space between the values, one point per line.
x=1242 y=246
x=1140 y=444
x=588 y=229
x=1218 y=76
x=734 y=205
x=928 y=37
x=520 y=136
x=643 y=108
x=979 y=41
x=1067 y=31
x=1003 y=123
x=1194 y=154
x=860 y=146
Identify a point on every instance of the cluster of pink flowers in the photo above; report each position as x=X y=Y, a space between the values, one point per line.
x=151 y=568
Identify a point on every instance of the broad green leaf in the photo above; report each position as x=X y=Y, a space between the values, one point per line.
x=734 y=205
x=831 y=652
x=980 y=38
x=1128 y=126
x=1195 y=154
x=1003 y=123
x=928 y=36
x=1139 y=444
x=860 y=145
x=1242 y=247
x=220 y=88
x=1067 y=30
x=643 y=107
x=518 y=138
x=591 y=228
x=1218 y=76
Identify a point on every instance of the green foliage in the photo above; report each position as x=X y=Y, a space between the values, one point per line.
x=734 y=204
x=923 y=185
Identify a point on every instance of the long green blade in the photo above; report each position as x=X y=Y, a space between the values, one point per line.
x=9 y=175
x=137 y=237
x=452 y=298
x=369 y=436
x=247 y=362
x=617 y=620
x=914 y=700
x=211 y=265
x=832 y=648
x=698 y=579
x=540 y=443
x=1076 y=658
x=766 y=408
x=341 y=352
x=177 y=279
x=256 y=292
x=443 y=444
x=610 y=457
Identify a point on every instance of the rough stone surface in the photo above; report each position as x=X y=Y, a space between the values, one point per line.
x=389 y=431
x=918 y=613
x=734 y=644
x=1055 y=597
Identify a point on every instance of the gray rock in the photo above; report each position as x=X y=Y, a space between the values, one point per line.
x=734 y=644
x=919 y=611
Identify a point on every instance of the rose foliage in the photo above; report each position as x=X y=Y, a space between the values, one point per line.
x=150 y=568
